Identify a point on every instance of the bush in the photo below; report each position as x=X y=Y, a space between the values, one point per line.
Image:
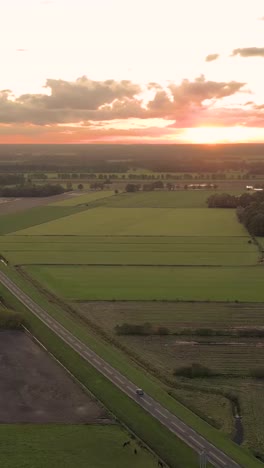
x=145 y=329
x=130 y=329
x=163 y=331
x=257 y=373
x=10 y=320
x=194 y=371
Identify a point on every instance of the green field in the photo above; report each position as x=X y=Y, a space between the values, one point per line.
x=160 y=199
x=149 y=247
x=68 y=446
x=83 y=198
x=97 y=257
x=144 y=222
x=153 y=283
x=35 y=216
x=89 y=250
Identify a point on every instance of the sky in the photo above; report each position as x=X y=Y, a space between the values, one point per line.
x=131 y=71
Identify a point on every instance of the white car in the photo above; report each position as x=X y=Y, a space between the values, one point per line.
x=139 y=391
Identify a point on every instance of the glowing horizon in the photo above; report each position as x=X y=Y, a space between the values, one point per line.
x=109 y=71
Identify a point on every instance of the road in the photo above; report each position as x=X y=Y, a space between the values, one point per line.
x=198 y=443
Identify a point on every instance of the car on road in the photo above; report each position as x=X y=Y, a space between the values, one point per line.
x=140 y=392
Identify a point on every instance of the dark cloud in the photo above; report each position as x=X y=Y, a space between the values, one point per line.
x=249 y=52
x=211 y=57
x=87 y=100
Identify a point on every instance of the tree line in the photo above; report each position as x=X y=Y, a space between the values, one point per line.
x=46 y=190
x=12 y=179
x=249 y=208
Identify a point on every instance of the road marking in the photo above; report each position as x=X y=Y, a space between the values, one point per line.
x=197 y=443
x=162 y=414
x=147 y=402
x=130 y=388
x=217 y=458
x=119 y=380
x=178 y=427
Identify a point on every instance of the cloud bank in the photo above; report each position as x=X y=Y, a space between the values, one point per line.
x=249 y=52
x=86 y=109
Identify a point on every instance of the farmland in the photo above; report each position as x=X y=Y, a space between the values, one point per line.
x=143 y=222
x=152 y=283
x=52 y=445
x=162 y=258
x=79 y=199
x=231 y=357
x=160 y=199
x=45 y=393
x=176 y=316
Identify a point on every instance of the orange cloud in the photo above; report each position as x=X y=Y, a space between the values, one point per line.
x=87 y=110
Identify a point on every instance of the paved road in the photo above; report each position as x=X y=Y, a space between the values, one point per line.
x=174 y=424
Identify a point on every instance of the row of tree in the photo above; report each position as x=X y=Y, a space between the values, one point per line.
x=250 y=209
x=31 y=191
x=145 y=329
x=11 y=179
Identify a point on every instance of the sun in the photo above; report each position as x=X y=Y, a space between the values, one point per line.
x=214 y=135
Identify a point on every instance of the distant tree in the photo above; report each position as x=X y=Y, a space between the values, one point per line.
x=80 y=187
x=32 y=190
x=132 y=187
x=116 y=191
x=68 y=185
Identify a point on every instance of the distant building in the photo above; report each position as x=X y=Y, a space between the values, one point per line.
x=254 y=189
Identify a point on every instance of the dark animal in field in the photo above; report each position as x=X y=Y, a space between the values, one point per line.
x=160 y=464
x=126 y=443
x=135 y=452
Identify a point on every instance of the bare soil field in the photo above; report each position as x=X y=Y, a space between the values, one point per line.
x=35 y=389
x=14 y=205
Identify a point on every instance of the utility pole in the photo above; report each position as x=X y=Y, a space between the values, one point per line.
x=203 y=460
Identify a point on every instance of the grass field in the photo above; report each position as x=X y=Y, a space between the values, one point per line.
x=68 y=446
x=144 y=222
x=153 y=283
x=35 y=216
x=89 y=250
x=215 y=408
x=97 y=257
x=160 y=199
x=83 y=198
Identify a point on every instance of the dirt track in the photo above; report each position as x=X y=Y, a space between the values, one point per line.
x=35 y=389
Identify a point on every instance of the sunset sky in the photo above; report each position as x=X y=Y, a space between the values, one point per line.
x=131 y=71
